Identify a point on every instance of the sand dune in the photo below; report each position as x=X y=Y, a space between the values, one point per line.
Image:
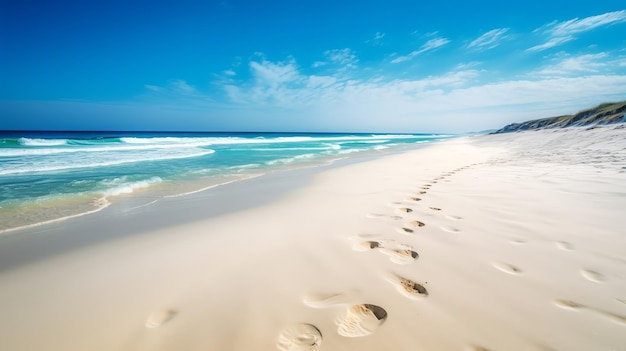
x=500 y=242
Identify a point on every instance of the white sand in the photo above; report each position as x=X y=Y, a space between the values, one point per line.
x=523 y=247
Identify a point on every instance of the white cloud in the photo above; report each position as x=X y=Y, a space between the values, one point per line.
x=182 y=87
x=563 y=32
x=154 y=88
x=174 y=88
x=430 y=45
x=344 y=57
x=454 y=101
x=576 y=25
x=279 y=94
x=551 y=43
x=320 y=81
x=230 y=72
x=274 y=74
x=567 y=65
x=489 y=40
x=377 y=40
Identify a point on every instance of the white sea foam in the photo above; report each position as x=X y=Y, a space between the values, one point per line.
x=123 y=186
x=41 y=142
x=350 y=151
x=284 y=161
x=137 y=143
x=110 y=159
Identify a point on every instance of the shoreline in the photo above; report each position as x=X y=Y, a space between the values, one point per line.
x=81 y=204
x=476 y=243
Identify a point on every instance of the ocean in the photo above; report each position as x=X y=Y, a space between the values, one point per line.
x=47 y=176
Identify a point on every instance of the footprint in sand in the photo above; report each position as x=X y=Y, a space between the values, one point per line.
x=507 y=268
x=455 y=218
x=518 y=241
x=158 y=318
x=421 y=192
x=408 y=288
x=415 y=224
x=404 y=210
x=414 y=199
x=361 y=320
x=593 y=276
x=400 y=256
x=299 y=337
x=408 y=228
x=435 y=208
x=404 y=230
x=367 y=245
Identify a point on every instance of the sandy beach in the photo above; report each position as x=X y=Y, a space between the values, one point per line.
x=496 y=242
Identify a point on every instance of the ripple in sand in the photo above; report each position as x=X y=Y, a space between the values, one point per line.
x=592 y=276
x=361 y=320
x=326 y=300
x=564 y=245
x=158 y=318
x=383 y=216
x=567 y=304
x=476 y=348
x=299 y=337
x=450 y=229
x=507 y=268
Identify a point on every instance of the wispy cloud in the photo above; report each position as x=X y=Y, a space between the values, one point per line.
x=377 y=39
x=430 y=45
x=552 y=43
x=489 y=40
x=567 y=65
x=562 y=32
x=174 y=88
x=344 y=57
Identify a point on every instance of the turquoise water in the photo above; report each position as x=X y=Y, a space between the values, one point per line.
x=50 y=175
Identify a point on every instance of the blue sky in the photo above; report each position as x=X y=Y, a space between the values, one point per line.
x=361 y=66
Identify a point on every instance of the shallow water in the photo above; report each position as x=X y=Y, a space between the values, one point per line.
x=50 y=175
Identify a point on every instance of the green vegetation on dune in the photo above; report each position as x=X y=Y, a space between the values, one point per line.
x=606 y=113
